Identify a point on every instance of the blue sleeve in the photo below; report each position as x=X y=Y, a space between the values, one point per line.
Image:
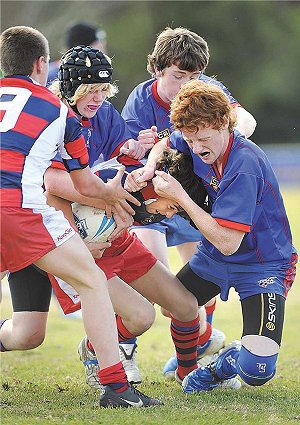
x=137 y=113
x=109 y=133
x=177 y=142
x=211 y=80
x=118 y=133
x=237 y=199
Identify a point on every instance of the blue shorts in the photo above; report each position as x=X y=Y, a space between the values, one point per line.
x=177 y=230
x=246 y=279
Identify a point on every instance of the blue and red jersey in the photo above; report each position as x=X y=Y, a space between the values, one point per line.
x=35 y=124
x=144 y=108
x=245 y=197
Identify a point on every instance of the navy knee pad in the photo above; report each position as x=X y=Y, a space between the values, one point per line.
x=256 y=370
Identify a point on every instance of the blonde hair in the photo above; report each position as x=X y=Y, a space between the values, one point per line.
x=85 y=89
x=201 y=104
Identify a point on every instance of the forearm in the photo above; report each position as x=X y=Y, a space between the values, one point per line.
x=226 y=240
x=155 y=153
x=60 y=184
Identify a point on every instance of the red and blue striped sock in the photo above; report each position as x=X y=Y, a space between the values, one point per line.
x=185 y=336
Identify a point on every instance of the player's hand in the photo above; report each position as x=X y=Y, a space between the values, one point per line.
x=167 y=186
x=97 y=248
x=117 y=197
x=133 y=149
x=138 y=178
x=122 y=225
x=147 y=138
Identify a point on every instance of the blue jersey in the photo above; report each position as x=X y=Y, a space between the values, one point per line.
x=245 y=197
x=104 y=134
x=144 y=108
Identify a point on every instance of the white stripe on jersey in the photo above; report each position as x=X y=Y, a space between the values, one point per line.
x=39 y=159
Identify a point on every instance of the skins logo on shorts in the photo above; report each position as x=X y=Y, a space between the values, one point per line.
x=270 y=325
x=214 y=182
x=163 y=133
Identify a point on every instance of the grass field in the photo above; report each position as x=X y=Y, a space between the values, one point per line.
x=46 y=385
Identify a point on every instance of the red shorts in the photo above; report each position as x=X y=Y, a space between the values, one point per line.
x=127 y=258
x=29 y=234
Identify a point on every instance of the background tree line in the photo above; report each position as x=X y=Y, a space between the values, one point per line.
x=254 y=47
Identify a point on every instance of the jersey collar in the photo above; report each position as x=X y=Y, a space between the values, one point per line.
x=158 y=98
x=225 y=158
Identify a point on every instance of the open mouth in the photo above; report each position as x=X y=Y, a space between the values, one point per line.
x=93 y=107
x=204 y=155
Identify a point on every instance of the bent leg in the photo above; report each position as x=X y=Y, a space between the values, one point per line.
x=81 y=272
x=30 y=293
x=137 y=312
x=26 y=330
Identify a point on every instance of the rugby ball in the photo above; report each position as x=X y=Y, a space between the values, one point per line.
x=92 y=223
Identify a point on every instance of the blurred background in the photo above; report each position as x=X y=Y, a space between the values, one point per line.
x=254 y=51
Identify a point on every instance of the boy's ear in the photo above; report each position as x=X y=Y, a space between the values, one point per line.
x=225 y=123
x=158 y=72
x=39 y=64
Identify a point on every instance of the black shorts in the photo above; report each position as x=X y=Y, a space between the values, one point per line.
x=30 y=290
x=263 y=314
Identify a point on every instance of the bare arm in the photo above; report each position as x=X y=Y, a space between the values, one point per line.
x=60 y=192
x=246 y=123
x=226 y=240
x=59 y=183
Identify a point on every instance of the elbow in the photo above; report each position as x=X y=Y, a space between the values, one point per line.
x=82 y=188
x=251 y=126
x=228 y=248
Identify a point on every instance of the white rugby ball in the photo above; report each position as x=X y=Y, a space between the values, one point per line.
x=92 y=223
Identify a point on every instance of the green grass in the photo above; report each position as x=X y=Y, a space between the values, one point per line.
x=46 y=385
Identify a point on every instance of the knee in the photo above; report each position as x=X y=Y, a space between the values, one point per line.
x=255 y=369
x=143 y=320
x=33 y=340
x=188 y=308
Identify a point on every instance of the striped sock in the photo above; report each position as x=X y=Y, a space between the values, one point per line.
x=203 y=339
x=123 y=333
x=210 y=312
x=115 y=377
x=185 y=336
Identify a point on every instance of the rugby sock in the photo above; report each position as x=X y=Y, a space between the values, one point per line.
x=185 y=337
x=2 y=348
x=115 y=377
x=255 y=369
x=210 y=312
x=204 y=338
x=132 y=341
x=123 y=333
